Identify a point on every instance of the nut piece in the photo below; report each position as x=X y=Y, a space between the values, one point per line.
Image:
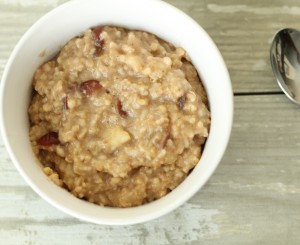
x=114 y=137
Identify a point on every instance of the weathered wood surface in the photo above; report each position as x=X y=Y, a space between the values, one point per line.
x=253 y=197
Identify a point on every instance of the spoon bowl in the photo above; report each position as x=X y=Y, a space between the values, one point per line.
x=285 y=62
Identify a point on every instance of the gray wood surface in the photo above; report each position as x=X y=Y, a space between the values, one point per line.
x=253 y=197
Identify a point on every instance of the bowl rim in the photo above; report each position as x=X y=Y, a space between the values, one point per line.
x=116 y=221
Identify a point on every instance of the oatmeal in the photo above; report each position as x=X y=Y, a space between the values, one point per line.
x=118 y=117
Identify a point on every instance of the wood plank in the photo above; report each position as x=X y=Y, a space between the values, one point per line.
x=242 y=32
x=257 y=188
x=253 y=197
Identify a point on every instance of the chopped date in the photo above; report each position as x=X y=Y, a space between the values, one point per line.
x=49 y=139
x=162 y=144
x=181 y=101
x=89 y=87
x=49 y=165
x=120 y=109
x=66 y=106
x=183 y=59
x=98 y=39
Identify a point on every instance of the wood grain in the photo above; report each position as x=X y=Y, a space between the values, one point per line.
x=252 y=198
x=242 y=30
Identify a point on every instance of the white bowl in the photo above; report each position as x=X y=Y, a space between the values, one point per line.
x=71 y=19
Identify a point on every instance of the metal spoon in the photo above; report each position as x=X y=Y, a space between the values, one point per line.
x=285 y=61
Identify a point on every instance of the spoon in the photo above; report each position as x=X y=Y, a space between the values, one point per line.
x=285 y=62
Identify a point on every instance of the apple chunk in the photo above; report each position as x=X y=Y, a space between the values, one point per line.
x=115 y=136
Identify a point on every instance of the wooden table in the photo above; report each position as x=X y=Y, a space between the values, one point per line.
x=252 y=198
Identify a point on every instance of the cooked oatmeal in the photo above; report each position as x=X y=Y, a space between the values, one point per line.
x=118 y=117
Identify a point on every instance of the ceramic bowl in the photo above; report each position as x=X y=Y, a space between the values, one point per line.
x=70 y=19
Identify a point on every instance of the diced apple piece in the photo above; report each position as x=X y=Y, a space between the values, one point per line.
x=114 y=137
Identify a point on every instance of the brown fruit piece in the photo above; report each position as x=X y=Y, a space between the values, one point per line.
x=89 y=87
x=66 y=106
x=49 y=139
x=181 y=101
x=120 y=109
x=162 y=144
x=99 y=39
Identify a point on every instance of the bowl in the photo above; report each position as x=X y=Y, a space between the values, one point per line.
x=70 y=19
